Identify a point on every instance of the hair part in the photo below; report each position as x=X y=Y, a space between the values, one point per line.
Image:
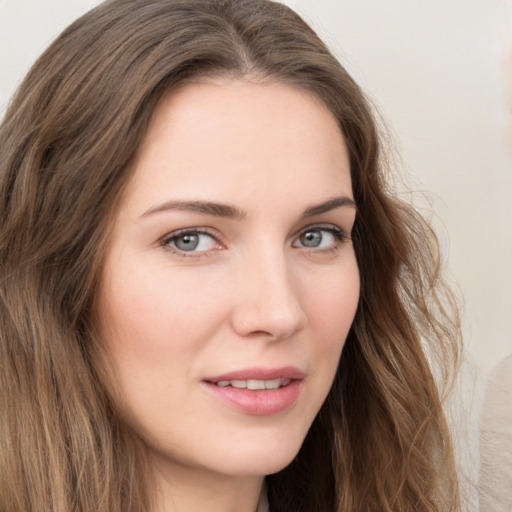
x=380 y=442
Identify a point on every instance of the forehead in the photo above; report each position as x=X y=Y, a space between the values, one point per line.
x=236 y=137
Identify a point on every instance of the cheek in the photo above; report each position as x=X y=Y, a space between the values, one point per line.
x=152 y=337
x=332 y=306
x=155 y=316
x=333 y=303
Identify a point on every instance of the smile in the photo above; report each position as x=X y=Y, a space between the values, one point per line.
x=254 y=384
x=258 y=391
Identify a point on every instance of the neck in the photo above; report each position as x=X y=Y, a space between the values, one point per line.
x=192 y=490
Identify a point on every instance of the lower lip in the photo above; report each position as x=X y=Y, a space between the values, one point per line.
x=258 y=402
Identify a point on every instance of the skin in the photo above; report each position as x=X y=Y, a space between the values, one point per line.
x=254 y=292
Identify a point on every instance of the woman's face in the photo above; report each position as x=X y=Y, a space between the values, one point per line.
x=230 y=281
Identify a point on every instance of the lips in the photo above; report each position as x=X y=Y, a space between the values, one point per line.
x=257 y=391
x=285 y=372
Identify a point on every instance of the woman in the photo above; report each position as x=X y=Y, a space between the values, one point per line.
x=194 y=208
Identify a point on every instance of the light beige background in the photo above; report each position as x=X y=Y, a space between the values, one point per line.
x=440 y=73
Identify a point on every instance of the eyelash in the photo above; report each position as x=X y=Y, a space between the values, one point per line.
x=166 y=241
x=339 y=235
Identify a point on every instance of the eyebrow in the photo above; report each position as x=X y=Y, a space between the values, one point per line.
x=204 y=207
x=231 y=212
x=331 y=204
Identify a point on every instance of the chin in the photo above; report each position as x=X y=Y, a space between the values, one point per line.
x=260 y=457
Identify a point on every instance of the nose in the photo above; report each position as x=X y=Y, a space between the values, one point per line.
x=268 y=299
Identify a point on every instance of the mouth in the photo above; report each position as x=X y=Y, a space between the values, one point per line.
x=254 y=384
x=259 y=392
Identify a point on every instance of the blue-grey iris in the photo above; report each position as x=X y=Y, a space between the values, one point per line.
x=187 y=242
x=311 y=238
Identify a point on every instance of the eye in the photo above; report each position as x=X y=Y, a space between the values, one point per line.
x=190 y=241
x=321 y=237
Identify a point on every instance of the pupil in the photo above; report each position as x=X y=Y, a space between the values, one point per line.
x=187 y=242
x=311 y=239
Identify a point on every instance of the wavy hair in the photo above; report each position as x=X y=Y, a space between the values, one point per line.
x=380 y=441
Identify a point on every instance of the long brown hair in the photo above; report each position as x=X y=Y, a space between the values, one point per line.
x=380 y=442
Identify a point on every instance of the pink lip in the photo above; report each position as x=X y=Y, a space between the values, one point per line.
x=259 y=402
x=259 y=373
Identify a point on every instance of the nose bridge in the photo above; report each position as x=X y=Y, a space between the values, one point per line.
x=270 y=301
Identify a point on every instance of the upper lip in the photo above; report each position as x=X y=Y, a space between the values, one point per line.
x=259 y=373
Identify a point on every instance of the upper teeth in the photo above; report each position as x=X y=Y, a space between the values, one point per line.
x=254 y=384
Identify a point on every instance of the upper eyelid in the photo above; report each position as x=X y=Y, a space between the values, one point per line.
x=188 y=231
x=327 y=226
